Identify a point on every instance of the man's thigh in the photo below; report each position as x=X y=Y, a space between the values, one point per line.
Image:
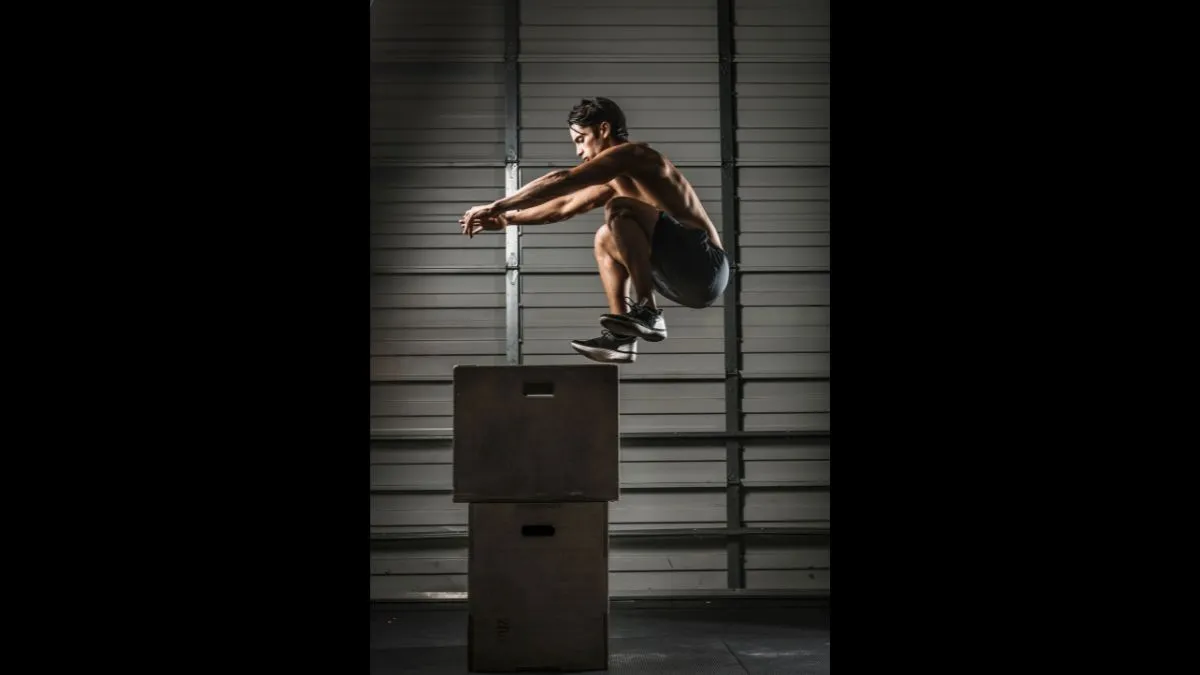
x=645 y=215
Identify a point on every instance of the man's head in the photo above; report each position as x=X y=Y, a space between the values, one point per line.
x=596 y=124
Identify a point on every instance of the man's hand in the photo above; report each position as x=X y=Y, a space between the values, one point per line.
x=480 y=218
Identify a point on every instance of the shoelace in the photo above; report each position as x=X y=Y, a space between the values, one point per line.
x=639 y=308
x=606 y=334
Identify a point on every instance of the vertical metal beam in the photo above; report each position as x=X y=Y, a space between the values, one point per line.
x=512 y=179
x=736 y=545
x=512 y=276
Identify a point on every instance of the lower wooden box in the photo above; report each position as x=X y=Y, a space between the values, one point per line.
x=537 y=584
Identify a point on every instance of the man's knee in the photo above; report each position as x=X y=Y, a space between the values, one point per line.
x=620 y=207
x=602 y=240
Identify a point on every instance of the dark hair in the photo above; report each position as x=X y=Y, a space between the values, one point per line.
x=593 y=111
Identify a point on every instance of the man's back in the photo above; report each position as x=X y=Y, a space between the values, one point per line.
x=656 y=180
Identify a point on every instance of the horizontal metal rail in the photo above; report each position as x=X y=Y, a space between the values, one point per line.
x=625 y=487
x=378 y=165
x=680 y=594
x=657 y=533
x=498 y=271
x=668 y=436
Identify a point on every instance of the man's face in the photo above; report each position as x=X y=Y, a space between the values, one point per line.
x=588 y=141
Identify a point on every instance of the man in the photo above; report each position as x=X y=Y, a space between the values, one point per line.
x=656 y=234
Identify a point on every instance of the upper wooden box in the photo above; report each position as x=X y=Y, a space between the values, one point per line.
x=536 y=433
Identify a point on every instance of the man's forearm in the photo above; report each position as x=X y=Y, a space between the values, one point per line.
x=551 y=186
x=549 y=212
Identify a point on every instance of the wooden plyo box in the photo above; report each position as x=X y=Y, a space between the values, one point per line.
x=537 y=587
x=536 y=433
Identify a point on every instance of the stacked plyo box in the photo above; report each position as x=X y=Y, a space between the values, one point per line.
x=536 y=456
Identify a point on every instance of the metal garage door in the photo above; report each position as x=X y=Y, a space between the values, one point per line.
x=781 y=74
x=717 y=492
x=437 y=299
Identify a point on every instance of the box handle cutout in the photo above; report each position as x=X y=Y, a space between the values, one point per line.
x=539 y=389
x=537 y=530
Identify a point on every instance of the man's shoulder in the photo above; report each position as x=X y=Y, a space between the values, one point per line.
x=643 y=152
x=642 y=147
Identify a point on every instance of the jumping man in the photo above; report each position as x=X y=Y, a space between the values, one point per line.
x=656 y=234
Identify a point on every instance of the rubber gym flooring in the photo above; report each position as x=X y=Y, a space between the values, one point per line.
x=660 y=641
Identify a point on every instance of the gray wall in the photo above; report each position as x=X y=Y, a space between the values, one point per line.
x=438 y=120
x=781 y=74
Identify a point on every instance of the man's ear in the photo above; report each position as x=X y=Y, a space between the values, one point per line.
x=605 y=130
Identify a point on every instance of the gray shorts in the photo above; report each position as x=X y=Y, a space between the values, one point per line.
x=686 y=267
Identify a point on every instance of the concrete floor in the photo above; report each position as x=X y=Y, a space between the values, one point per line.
x=662 y=641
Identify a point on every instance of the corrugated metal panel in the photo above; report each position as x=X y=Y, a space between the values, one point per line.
x=437 y=82
x=437 y=298
x=418 y=567
x=422 y=325
x=784 y=218
x=423 y=408
x=675 y=406
x=644 y=509
x=682 y=465
x=429 y=512
x=786 y=404
x=785 y=319
x=665 y=565
x=653 y=57
x=808 y=326
x=447 y=30
x=782 y=152
x=634 y=565
x=781 y=30
x=801 y=22
x=782 y=112
x=787 y=565
x=789 y=462
x=642 y=31
x=415 y=120
x=786 y=507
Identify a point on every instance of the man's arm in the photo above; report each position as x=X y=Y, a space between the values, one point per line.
x=562 y=208
x=601 y=169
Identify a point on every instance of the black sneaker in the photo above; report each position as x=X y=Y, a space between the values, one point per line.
x=608 y=348
x=639 y=321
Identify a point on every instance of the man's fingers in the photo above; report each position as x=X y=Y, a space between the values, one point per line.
x=473 y=223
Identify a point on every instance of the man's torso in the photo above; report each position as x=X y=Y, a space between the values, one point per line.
x=661 y=185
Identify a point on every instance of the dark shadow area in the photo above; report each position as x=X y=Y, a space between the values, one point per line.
x=667 y=641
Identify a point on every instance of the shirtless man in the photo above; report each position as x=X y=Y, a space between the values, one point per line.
x=656 y=234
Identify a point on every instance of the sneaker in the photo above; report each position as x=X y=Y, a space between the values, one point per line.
x=639 y=321
x=608 y=348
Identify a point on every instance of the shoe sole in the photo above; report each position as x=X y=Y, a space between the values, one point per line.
x=618 y=326
x=604 y=355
